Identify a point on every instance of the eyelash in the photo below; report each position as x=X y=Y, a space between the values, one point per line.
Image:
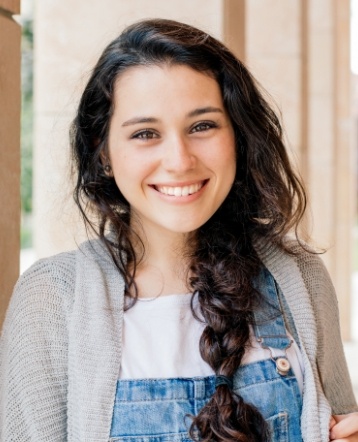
x=148 y=134
x=203 y=126
x=143 y=134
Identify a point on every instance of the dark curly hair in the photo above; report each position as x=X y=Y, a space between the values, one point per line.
x=266 y=201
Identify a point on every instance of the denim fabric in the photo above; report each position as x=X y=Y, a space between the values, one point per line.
x=159 y=410
x=269 y=325
x=277 y=397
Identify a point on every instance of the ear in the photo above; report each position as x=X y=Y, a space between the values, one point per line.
x=106 y=163
x=108 y=170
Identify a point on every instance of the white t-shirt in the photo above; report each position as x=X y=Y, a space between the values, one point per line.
x=161 y=340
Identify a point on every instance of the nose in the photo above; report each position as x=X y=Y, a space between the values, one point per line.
x=178 y=156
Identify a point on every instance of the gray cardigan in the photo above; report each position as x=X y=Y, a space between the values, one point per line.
x=60 y=349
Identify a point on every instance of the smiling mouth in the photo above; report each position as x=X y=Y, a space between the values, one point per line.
x=180 y=190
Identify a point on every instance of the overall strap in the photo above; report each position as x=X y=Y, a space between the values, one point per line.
x=269 y=326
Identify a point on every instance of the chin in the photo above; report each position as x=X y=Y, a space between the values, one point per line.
x=185 y=227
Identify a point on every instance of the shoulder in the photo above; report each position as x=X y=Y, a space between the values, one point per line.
x=51 y=284
x=52 y=281
x=48 y=275
x=297 y=261
x=304 y=281
x=309 y=261
x=59 y=268
x=316 y=279
x=42 y=295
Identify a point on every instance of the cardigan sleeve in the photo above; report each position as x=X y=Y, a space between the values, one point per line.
x=33 y=353
x=331 y=362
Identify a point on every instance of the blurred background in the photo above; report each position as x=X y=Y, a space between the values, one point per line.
x=303 y=52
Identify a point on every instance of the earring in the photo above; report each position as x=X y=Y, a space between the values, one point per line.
x=108 y=168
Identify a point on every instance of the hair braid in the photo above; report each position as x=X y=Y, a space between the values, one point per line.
x=223 y=272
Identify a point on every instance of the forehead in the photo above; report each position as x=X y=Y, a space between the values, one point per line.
x=165 y=86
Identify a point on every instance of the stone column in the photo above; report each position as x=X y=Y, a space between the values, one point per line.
x=299 y=51
x=330 y=160
x=10 y=102
x=234 y=27
x=274 y=55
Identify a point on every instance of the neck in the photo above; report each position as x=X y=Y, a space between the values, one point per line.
x=162 y=267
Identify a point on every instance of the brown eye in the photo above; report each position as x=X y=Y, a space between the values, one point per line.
x=203 y=126
x=145 y=134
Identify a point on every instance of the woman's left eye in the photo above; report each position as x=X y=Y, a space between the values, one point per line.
x=203 y=126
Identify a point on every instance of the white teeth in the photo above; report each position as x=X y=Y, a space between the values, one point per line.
x=180 y=191
x=185 y=191
x=194 y=188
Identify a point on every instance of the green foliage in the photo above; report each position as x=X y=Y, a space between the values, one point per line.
x=26 y=116
x=26 y=131
x=26 y=233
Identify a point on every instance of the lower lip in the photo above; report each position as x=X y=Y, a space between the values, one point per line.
x=181 y=199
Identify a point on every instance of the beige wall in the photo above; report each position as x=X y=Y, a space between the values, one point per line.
x=9 y=150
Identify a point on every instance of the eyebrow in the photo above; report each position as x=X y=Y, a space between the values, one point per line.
x=204 y=110
x=137 y=120
x=194 y=113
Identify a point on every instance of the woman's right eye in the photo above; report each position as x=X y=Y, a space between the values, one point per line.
x=145 y=134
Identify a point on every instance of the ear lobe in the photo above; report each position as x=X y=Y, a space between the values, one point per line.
x=108 y=170
x=106 y=164
x=107 y=167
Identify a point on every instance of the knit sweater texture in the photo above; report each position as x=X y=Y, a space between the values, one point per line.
x=60 y=349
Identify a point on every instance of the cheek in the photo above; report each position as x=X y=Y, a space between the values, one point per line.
x=228 y=165
x=121 y=167
x=226 y=156
x=121 y=162
x=130 y=172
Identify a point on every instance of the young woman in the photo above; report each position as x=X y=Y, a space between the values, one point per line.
x=192 y=316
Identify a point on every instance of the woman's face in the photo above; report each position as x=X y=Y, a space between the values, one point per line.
x=171 y=146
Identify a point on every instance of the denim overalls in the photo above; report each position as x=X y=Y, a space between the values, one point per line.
x=158 y=410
